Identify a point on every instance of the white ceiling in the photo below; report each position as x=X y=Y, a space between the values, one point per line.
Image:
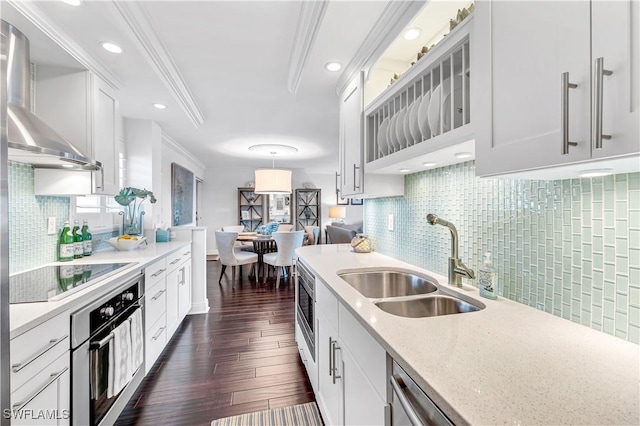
x=227 y=61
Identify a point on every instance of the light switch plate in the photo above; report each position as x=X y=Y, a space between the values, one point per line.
x=390 y=224
x=51 y=225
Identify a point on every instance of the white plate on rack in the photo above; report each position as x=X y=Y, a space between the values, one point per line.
x=407 y=125
x=458 y=108
x=400 y=138
x=392 y=139
x=423 y=116
x=414 y=125
x=433 y=113
x=383 y=146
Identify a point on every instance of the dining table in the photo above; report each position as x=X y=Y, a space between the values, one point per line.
x=261 y=244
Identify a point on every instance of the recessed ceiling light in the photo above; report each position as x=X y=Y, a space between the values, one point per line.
x=463 y=155
x=429 y=164
x=273 y=149
x=412 y=33
x=404 y=170
x=110 y=47
x=72 y=2
x=594 y=173
x=333 y=66
x=160 y=106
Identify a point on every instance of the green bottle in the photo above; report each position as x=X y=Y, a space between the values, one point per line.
x=78 y=246
x=66 y=245
x=86 y=238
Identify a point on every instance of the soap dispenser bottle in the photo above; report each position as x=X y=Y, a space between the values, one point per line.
x=487 y=279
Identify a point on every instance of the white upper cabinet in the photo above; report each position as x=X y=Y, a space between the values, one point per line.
x=353 y=179
x=84 y=109
x=351 y=149
x=536 y=85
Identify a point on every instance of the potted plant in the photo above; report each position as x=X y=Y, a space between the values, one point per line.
x=131 y=199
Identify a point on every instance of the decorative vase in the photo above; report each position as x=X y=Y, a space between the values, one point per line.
x=132 y=220
x=361 y=244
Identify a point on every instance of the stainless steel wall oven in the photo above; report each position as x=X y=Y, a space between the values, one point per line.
x=305 y=306
x=92 y=335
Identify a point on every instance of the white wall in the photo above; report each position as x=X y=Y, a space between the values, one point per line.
x=220 y=197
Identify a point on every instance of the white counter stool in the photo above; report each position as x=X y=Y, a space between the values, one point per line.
x=233 y=257
x=287 y=242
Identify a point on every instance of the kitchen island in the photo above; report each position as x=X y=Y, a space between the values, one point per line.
x=505 y=364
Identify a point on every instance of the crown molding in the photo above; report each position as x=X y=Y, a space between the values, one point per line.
x=169 y=141
x=37 y=17
x=141 y=31
x=395 y=16
x=309 y=22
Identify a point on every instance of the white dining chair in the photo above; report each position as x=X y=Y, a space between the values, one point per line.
x=238 y=244
x=233 y=257
x=287 y=242
x=313 y=234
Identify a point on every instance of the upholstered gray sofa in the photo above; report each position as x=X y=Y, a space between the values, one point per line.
x=339 y=234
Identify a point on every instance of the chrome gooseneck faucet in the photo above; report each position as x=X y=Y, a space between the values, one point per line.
x=457 y=269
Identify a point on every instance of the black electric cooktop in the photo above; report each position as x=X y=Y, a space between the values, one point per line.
x=57 y=281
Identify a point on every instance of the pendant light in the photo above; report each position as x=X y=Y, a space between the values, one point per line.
x=273 y=181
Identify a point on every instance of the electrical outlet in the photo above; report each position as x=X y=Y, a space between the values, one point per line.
x=390 y=224
x=51 y=226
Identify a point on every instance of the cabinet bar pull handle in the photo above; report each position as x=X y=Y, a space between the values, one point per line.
x=158 y=273
x=564 y=99
x=101 y=179
x=53 y=342
x=335 y=347
x=160 y=330
x=330 y=356
x=597 y=103
x=404 y=402
x=176 y=261
x=54 y=376
x=186 y=253
x=158 y=294
x=355 y=167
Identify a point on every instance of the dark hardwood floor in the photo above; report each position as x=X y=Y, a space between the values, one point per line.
x=238 y=358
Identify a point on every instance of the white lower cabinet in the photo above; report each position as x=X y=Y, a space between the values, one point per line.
x=46 y=398
x=40 y=376
x=330 y=392
x=155 y=341
x=167 y=301
x=352 y=366
x=178 y=295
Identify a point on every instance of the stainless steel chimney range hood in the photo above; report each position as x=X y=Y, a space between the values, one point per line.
x=31 y=140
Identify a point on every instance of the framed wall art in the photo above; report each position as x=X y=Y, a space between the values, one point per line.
x=182 y=195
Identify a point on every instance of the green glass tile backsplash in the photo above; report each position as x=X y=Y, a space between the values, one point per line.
x=29 y=244
x=568 y=247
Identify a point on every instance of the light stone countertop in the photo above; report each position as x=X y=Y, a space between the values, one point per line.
x=25 y=316
x=506 y=364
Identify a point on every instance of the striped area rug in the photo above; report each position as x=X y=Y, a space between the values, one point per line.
x=294 y=415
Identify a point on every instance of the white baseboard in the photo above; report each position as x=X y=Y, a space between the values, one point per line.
x=199 y=308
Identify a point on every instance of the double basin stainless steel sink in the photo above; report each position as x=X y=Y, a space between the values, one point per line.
x=407 y=294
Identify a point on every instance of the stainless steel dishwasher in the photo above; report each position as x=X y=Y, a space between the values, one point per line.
x=410 y=406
